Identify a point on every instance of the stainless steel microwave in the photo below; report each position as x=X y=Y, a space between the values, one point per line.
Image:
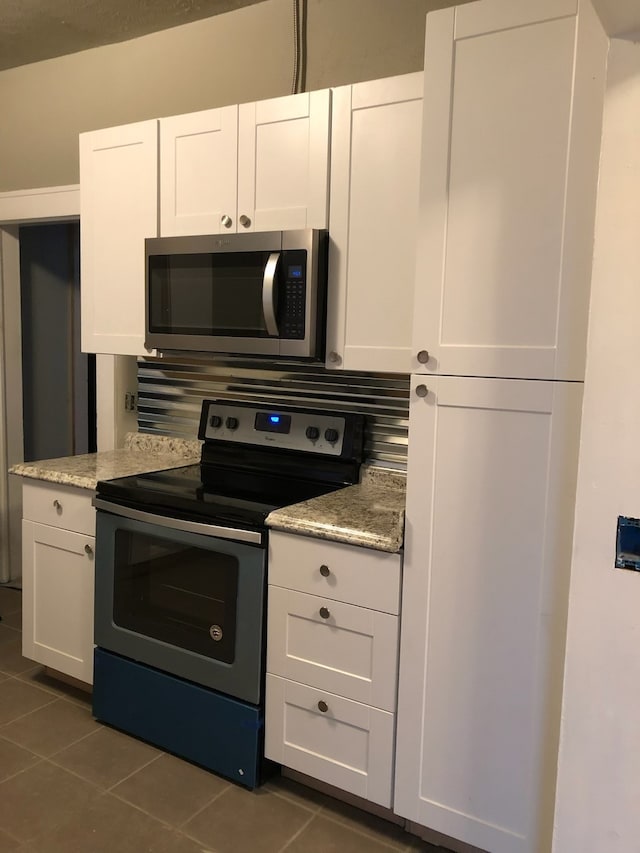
x=256 y=294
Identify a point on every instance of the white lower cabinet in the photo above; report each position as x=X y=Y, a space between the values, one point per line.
x=488 y=536
x=58 y=541
x=332 y=664
x=341 y=742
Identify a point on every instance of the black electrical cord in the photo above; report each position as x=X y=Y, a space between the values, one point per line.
x=299 y=46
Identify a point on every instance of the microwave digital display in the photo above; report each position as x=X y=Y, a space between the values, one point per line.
x=294 y=271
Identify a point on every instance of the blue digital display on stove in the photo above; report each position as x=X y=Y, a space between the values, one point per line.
x=273 y=422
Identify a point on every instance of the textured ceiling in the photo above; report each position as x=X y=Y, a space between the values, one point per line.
x=620 y=17
x=31 y=30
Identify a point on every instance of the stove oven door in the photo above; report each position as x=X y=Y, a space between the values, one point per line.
x=186 y=601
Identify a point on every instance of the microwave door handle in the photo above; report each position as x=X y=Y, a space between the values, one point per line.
x=268 y=294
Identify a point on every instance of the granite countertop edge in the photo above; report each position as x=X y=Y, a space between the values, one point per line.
x=369 y=514
x=141 y=453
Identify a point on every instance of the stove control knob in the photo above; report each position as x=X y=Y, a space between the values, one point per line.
x=312 y=433
x=331 y=435
x=231 y=423
x=215 y=421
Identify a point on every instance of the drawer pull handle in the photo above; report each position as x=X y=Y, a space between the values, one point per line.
x=57 y=505
x=324 y=571
x=324 y=612
x=88 y=550
x=322 y=706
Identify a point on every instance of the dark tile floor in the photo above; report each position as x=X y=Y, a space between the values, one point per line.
x=71 y=785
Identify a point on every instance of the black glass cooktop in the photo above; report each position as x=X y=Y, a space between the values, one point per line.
x=255 y=458
x=197 y=492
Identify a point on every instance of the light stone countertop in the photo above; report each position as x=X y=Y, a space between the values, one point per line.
x=370 y=514
x=141 y=453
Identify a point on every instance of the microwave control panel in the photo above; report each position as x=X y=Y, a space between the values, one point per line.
x=294 y=294
x=285 y=429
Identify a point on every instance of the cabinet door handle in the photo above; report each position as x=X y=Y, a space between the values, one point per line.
x=245 y=221
x=227 y=221
x=325 y=571
x=423 y=356
x=324 y=613
x=57 y=505
x=88 y=550
x=422 y=390
x=334 y=357
x=322 y=706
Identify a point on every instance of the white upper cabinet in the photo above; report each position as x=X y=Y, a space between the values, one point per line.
x=512 y=120
x=283 y=163
x=198 y=172
x=375 y=165
x=118 y=210
x=255 y=167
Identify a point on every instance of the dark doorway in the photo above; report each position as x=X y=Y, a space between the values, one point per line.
x=58 y=381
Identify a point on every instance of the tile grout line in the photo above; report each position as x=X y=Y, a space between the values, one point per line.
x=51 y=760
x=299 y=832
x=371 y=835
x=38 y=760
x=109 y=790
x=196 y=813
x=58 y=751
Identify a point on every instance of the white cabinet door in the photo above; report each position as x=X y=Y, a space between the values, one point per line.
x=118 y=210
x=375 y=166
x=258 y=167
x=342 y=648
x=330 y=738
x=198 y=172
x=510 y=151
x=490 y=497
x=58 y=584
x=283 y=163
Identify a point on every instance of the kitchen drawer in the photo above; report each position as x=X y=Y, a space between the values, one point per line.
x=350 y=745
x=348 y=650
x=347 y=573
x=67 y=507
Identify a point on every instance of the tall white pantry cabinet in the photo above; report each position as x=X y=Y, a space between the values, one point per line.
x=510 y=147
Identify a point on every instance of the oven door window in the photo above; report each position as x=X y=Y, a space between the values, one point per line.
x=218 y=295
x=184 y=596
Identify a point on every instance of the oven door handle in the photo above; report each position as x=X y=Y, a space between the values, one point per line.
x=269 y=294
x=179 y=523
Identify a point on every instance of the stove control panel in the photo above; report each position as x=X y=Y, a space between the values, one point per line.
x=284 y=428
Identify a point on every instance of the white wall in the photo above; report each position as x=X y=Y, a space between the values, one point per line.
x=598 y=795
x=244 y=55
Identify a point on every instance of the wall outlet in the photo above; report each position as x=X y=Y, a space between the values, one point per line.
x=129 y=402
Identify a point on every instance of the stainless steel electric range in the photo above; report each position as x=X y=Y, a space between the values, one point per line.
x=181 y=562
